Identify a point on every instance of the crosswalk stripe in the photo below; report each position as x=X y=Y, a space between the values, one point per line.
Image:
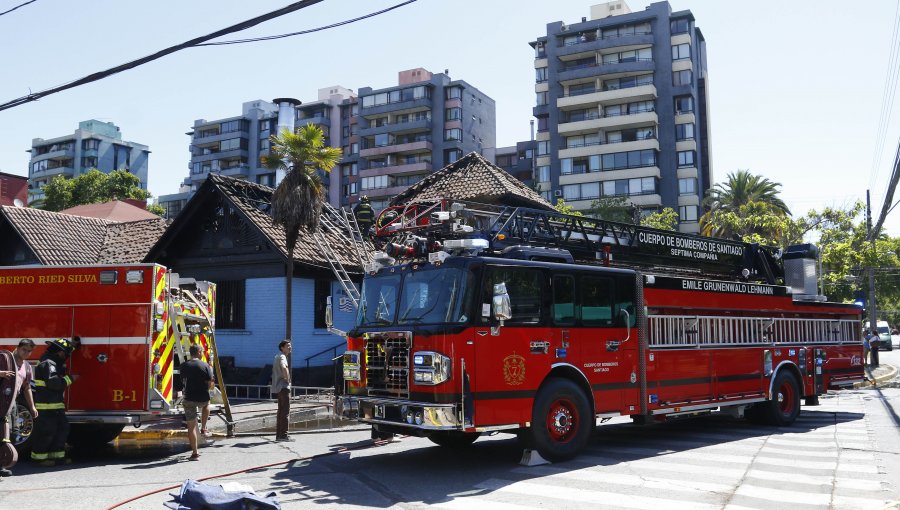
x=777 y=476
x=470 y=502
x=858 y=484
x=661 y=465
x=783 y=496
x=649 y=482
x=857 y=468
x=608 y=498
x=844 y=502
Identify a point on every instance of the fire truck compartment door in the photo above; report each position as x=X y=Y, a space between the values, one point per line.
x=91 y=392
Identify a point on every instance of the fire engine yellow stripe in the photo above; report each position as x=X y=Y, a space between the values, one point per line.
x=167 y=376
x=38 y=456
x=67 y=379
x=40 y=383
x=161 y=284
x=41 y=406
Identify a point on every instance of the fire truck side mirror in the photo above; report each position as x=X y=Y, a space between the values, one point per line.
x=501 y=305
x=329 y=313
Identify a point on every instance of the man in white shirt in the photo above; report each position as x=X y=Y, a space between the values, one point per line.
x=281 y=388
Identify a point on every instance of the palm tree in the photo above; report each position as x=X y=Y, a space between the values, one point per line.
x=742 y=188
x=298 y=200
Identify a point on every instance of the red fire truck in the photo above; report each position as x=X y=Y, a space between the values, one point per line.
x=485 y=319
x=134 y=324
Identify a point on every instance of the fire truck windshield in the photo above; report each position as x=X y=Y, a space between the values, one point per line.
x=428 y=296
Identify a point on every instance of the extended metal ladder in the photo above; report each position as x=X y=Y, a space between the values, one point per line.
x=342 y=223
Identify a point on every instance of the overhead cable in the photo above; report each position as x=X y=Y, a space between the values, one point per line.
x=296 y=6
x=18 y=6
x=326 y=27
x=887 y=100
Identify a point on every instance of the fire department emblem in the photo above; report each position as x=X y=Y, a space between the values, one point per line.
x=514 y=369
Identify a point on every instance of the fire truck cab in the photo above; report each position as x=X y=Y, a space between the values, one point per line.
x=133 y=325
x=477 y=333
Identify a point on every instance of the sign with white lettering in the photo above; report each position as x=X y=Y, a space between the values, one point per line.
x=695 y=285
x=701 y=249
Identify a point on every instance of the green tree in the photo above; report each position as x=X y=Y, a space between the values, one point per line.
x=615 y=208
x=57 y=194
x=156 y=209
x=667 y=219
x=753 y=222
x=91 y=188
x=741 y=189
x=563 y=207
x=298 y=200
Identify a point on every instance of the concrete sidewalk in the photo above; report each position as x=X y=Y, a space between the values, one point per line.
x=247 y=417
x=880 y=375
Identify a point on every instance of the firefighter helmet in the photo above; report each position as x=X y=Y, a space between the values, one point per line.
x=61 y=344
x=364 y=199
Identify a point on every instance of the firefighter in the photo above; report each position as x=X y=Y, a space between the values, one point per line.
x=51 y=428
x=365 y=216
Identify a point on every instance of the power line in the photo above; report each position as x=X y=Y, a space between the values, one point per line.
x=887 y=100
x=18 y=6
x=326 y=27
x=296 y=6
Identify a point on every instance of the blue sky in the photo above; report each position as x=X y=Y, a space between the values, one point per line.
x=795 y=87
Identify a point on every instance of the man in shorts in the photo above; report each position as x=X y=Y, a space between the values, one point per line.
x=197 y=376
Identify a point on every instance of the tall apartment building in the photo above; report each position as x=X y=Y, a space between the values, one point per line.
x=94 y=144
x=405 y=132
x=391 y=137
x=622 y=110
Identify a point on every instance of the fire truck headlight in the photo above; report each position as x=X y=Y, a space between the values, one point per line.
x=410 y=416
x=351 y=366
x=156 y=368
x=430 y=368
x=419 y=418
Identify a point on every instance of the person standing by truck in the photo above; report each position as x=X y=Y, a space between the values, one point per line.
x=24 y=376
x=198 y=384
x=281 y=388
x=51 y=427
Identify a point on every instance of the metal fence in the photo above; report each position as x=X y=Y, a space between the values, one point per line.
x=261 y=393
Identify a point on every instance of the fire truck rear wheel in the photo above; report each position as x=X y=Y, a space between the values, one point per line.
x=82 y=435
x=454 y=439
x=784 y=407
x=561 y=422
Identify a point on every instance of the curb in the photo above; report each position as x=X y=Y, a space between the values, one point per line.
x=887 y=376
x=218 y=427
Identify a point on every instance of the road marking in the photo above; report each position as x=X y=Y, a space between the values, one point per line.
x=649 y=482
x=783 y=496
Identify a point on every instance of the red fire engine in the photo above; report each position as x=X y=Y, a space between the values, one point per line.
x=480 y=319
x=134 y=324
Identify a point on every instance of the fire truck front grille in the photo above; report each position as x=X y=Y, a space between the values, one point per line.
x=387 y=364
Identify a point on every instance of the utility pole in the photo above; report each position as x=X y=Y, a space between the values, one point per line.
x=873 y=309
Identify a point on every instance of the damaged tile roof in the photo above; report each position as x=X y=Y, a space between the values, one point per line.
x=474 y=179
x=254 y=201
x=64 y=239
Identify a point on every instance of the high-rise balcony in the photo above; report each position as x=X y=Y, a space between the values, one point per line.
x=65 y=171
x=408 y=126
x=593 y=98
x=609 y=121
x=239 y=171
x=418 y=146
x=609 y=147
x=398 y=169
x=591 y=43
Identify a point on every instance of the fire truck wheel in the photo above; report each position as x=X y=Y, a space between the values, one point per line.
x=454 y=439
x=784 y=407
x=20 y=433
x=86 y=435
x=561 y=420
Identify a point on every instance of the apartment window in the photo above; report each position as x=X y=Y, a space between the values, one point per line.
x=539 y=50
x=585 y=191
x=629 y=135
x=640 y=55
x=542 y=98
x=452 y=155
x=351 y=189
x=234 y=125
x=681 y=51
x=581 y=89
x=687 y=186
x=684 y=77
x=630 y=159
x=265 y=125
x=626 y=30
x=382 y=140
x=354 y=148
x=684 y=131
x=580 y=115
x=540 y=74
x=230 y=299
x=121 y=157
x=680 y=26
x=453 y=134
x=264 y=144
x=233 y=144
x=628 y=82
x=376 y=182
x=91 y=144
x=89 y=162
x=582 y=140
x=583 y=165
x=687 y=213
x=348 y=170
x=685 y=159
x=628 y=187
x=453 y=113
x=684 y=104
x=543 y=124
x=543 y=148
x=453 y=93
x=543 y=173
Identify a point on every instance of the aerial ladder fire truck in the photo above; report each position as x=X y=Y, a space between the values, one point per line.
x=477 y=319
x=133 y=326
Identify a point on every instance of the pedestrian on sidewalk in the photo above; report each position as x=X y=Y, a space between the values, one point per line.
x=874 y=343
x=198 y=384
x=867 y=335
x=281 y=388
x=24 y=376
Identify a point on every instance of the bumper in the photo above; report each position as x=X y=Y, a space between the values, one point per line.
x=404 y=413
